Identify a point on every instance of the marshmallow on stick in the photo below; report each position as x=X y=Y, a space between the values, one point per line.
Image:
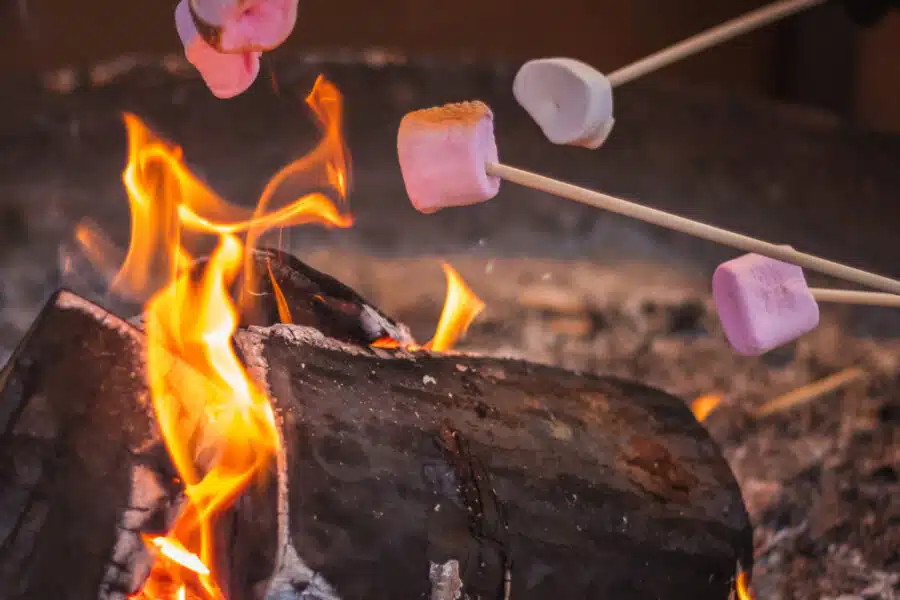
x=763 y=303
x=572 y=102
x=448 y=157
x=224 y=39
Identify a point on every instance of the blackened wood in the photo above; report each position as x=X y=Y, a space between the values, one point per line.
x=83 y=472
x=73 y=421
x=581 y=486
x=314 y=299
x=404 y=476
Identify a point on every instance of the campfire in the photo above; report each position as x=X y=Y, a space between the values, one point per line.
x=221 y=434
x=299 y=443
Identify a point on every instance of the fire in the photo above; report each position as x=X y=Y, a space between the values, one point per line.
x=217 y=423
x=461 y=307
x=703 y=405
x=219 y=428
x=743 y=587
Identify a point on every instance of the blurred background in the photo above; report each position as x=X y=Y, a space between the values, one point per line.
x=818 y=59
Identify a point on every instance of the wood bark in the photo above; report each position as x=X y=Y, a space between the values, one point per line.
x=403 y=476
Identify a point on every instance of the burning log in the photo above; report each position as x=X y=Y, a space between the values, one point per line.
x=401 y=475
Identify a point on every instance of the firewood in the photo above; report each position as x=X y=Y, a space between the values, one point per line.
x=402 y=476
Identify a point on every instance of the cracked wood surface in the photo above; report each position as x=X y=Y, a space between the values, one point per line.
x=578 y=485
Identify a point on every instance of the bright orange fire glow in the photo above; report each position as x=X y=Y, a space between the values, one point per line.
x=217 y=423
x=172 y=549
x=703 y=405
x=284 y=311
x=742 y=587
x=461 y=307
x=219 y=428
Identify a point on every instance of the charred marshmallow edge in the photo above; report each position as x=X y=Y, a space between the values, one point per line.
x=763 y=303
x=444 y=154
x=571 y=101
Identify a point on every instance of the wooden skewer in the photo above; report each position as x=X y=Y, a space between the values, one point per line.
x=711 y=37
x=855 y=297
x=702 y=230
x=809 y=392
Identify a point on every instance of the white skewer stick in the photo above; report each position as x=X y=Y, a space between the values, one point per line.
x=855 y=297
x=709 y=38
x=702 y=230
x=572 y=102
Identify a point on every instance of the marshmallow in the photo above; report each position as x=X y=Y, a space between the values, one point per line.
x=226 y=75
x=762 y=303
x=444 y=153
x=571 y=101
x=237 y=26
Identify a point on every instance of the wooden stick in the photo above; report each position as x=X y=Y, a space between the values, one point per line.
x=810 y=392
x=711 y=37
x=690 y=227
x=855 y=297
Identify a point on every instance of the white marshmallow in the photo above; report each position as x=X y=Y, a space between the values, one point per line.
x=571 y=101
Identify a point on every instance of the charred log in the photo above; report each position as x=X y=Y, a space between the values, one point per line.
x=403 y=476
x=310 y=297
x=82 y=472
x=316 y=300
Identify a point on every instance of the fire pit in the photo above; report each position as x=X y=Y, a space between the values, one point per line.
x=376 y=489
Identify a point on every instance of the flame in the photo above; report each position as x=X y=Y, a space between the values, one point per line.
x=284 y=311
x=173 y=550
x=703 y=405
x=461 y=307
x=219 y=427
x=742 y=586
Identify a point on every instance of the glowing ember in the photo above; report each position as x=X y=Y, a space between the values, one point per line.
x=702 y=406
x=742 y=587
x=219 y=428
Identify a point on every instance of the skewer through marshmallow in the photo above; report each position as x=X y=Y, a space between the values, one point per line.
x=572 y=102
x=763 y=303
x=449 y=157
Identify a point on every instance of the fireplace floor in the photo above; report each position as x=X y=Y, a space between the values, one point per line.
x=563 y=286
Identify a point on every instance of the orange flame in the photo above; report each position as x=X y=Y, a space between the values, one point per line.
x=742 y=587
x=461 y=307
x=703 y=405
x=219 y=428
x=284 y=311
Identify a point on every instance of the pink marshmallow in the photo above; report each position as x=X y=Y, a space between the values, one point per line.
x=226 y=75
x=762 y=303
x=443 y=155
x=245 y=25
